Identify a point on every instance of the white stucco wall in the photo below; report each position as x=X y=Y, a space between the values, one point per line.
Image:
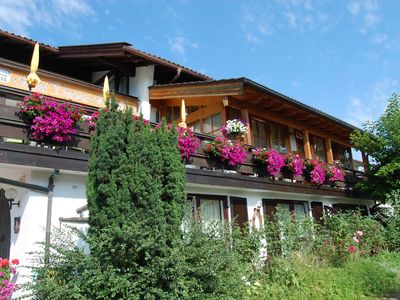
x=138 y=87
x=70 y=194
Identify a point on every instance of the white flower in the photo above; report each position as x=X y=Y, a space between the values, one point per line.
x=236 y=127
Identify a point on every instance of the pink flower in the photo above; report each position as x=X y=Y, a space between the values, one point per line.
x=272 y=160
x=352 y=249
x=187 y=142
x=359 y=233
x=355 y=239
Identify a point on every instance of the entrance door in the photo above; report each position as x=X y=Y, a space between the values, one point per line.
x=5 y=226
x=239 y=210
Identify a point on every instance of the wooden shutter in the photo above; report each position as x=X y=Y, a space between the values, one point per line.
x=269 y=208
x=5 y=226
x=239 y=211
x=317 y=211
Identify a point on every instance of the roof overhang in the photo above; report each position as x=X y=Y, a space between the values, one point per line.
x=248 y=92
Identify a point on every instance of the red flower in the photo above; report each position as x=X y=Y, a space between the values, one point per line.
x=4 y=263
x=15 y=261
x=352 y=249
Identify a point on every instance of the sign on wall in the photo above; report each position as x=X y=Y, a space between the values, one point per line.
x=61 y=88
x=5 y=75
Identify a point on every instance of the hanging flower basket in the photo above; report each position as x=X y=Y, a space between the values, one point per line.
x=234 y=130
x=188 y=142
x=269 y=162
x=49 y=120
x=314 y=171
x=293 y=166
x=228 y=154
x=334 y=174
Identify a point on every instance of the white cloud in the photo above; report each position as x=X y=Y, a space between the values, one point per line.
x=367 y=10
x=19 y=16
x=261 y=20
x=370 y=105
x=179 y=44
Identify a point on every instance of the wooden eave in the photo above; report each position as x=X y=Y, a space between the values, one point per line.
x=121 y=55
x=17 y=40
x=245 y=94
x=200 y=89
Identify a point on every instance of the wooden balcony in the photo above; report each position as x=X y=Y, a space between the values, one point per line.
x=16 y=148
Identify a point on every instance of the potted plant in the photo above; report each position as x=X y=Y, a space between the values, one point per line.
x=334 y=173
x=228 y=154
x=314 y=171
x=50 y=121
x=188 y=142
x=7 y=279
x=293 y=166
x=234 y=129
x=269 y=162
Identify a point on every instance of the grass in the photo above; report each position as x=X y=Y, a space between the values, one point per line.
x=364 y=278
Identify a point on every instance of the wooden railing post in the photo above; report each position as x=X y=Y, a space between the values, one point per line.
x=248 y=138
x=307 y=146
x=329 y=152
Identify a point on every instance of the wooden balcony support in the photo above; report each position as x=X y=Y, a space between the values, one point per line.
x=307 y=145
x=245 y=116
x=329 y=152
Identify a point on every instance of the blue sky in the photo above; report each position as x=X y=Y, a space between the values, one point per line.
x=342 y=57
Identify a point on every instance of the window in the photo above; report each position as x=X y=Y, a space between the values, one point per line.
x=270 y=135
x=211 y=210
x=279 y=137
x=173 y=113
x=342 y=154
x=299 y=209
x=317 y=147
x=233 y=113
x=259 y=132
x=212 y=124
x=195 y=126
x=298 y=136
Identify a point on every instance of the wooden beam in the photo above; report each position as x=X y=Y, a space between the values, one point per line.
x=202 y=101
x=277 y=107
x=200 y=89
x=290 y=112
x=303 y=116
x=204 y=112
x=307 y=145
x=329 y=153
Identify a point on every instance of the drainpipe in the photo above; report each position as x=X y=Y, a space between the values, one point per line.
x=49 y=212
x=178 y=73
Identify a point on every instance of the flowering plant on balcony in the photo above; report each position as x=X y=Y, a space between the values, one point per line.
x=92 y=120
x=270 y=160
x=314 y=171
x=334 y=173
x=7 y=269
x=187 y=142
x=50 y=120
x=229 y=153
x=234 y=129
x=293 y=165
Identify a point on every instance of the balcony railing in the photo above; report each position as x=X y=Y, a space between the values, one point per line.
x=13 y=130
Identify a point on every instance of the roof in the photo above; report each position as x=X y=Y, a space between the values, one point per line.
x=119 y=49
x=263 y=88
x=18 y=38
x=121 y=46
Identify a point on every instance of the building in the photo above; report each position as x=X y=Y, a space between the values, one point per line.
x=42 y=186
